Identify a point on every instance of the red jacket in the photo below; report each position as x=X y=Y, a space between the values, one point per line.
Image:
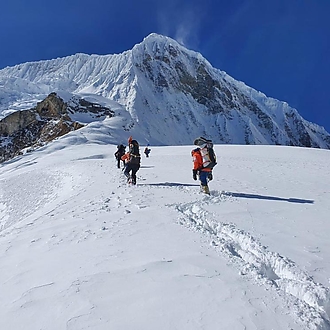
x=198 y=161
x=126 y=157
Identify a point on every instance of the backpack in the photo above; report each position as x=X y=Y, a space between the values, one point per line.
x=120 y=151
x=207 y=152
x=121 y=148
x=134 y=151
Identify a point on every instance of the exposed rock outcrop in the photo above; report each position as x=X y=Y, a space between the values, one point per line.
x=35 y=127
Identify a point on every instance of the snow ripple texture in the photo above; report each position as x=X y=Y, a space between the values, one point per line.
x=269 y=268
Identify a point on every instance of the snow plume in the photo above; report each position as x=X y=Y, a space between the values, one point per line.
x=187 y=32
x=185 y=25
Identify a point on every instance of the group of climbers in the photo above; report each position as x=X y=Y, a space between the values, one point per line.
x=204 y=159
x=131 y=159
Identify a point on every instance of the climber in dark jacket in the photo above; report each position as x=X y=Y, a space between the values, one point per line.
x=132 y=161
x=119 y=153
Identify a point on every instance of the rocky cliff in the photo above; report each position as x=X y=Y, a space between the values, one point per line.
x=27 y=129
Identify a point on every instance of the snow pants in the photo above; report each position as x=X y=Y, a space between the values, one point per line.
x=133 y=168
x=203 y=177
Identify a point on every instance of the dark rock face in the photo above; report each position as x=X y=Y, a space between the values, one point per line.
x=49 y=120
x=51 y=107
x=173 y=69
x=16 y=121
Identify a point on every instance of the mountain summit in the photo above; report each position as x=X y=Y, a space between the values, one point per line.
x=164 y=94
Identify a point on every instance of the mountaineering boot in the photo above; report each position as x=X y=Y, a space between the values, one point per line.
x=129 y=179
x=205 y=189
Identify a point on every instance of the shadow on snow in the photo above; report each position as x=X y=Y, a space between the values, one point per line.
x=170 y=184
x=270 y=198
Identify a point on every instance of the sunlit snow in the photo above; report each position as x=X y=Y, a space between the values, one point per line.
x=80 y=249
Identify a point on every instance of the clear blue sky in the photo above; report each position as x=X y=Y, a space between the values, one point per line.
x=279 y=47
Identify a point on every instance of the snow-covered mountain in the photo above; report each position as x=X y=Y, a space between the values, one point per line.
x=167 y=95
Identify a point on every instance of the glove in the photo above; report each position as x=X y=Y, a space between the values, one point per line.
x=195 y=174
x=210 y=176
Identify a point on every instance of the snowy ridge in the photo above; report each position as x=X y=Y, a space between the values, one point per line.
x=267 y=267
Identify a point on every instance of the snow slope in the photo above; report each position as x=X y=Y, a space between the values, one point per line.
x=82 y=250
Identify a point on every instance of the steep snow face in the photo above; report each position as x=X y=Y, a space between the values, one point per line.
x=172 y=95
x=191 y=96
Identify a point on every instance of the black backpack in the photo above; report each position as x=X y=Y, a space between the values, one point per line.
x=212 y=156
x=134 y=151
x=207 y=152
x=120 y=151
x=121 y=148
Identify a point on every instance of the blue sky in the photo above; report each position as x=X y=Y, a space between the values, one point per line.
x=280 y=48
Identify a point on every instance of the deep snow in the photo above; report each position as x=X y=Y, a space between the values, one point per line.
x=82 y=250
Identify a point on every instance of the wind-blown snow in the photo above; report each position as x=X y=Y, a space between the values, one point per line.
x=82 y=250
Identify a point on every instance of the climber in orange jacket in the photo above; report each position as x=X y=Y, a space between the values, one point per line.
x=204 y=173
